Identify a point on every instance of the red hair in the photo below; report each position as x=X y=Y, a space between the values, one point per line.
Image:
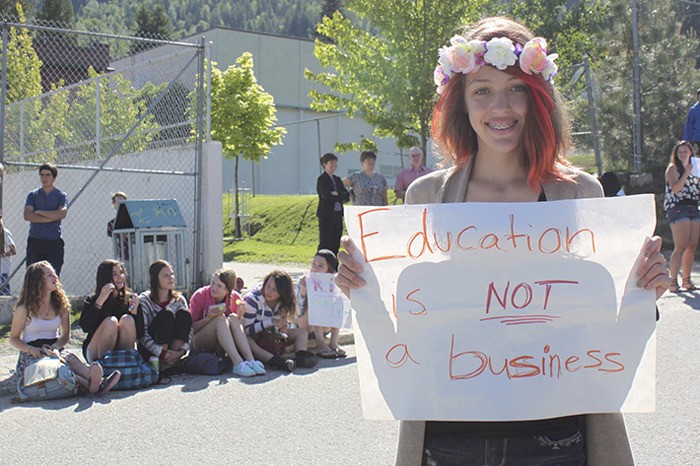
x=545 y=138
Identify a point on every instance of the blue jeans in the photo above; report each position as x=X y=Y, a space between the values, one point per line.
x=468 y=450
x=682 y=212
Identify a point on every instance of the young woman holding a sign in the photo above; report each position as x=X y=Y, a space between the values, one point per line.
x=323 y=262
x=502 y=129
x=681 y=205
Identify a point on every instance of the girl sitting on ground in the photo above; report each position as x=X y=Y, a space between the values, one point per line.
x=271 y=308
x=41 y=311
x=323 y=262
x=216 y=311
x=166 y=319
x=112 y=316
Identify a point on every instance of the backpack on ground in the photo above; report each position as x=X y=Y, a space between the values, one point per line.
x=136 y=373
x=204 y=363
x=47 y=379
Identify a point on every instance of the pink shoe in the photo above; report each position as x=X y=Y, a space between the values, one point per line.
x=108 y=383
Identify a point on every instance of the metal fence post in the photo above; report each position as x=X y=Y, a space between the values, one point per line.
x=197 y=266
x=591 y=113
x=3 y=98
x=97 y=118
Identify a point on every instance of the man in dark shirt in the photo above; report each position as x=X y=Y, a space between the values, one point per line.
x=44 y=210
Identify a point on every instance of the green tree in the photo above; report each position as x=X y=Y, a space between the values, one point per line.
x=9 y=7
x=243 y=116
x=151 y=23
x=571 y=31
x=121 y=105
x=667 y=58
x=23 y=64
x=56 y=11
x=386 y=78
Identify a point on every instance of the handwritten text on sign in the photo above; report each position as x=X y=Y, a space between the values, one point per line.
x=328 y=306
x=502 y=311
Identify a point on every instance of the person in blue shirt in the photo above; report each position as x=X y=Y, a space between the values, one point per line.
x=44 y=210
x=692 y=124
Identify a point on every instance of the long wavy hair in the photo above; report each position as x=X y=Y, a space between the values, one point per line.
x=104 y=276
x=675 y=160
x=153 y=272
x=547 y=128
x=33 y=289
x=285 y=288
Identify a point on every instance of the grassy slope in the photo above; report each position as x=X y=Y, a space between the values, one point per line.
x=283 y=229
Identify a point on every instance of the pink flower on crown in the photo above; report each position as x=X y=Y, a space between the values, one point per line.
x=500 y=52
x=463 y=55
x=533 y=58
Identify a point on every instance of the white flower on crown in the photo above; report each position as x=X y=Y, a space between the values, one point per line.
x=500 y=52
x=551 y=69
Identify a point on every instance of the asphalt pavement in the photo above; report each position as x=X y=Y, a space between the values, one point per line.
x=312 y=416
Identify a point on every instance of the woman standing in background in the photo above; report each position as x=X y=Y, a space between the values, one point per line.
x=682 y=192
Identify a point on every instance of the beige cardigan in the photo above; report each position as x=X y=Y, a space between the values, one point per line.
x=606 y=437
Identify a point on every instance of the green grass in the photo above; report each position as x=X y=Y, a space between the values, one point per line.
x=281 y=229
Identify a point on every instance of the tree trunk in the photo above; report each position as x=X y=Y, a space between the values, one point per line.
x=236 y=201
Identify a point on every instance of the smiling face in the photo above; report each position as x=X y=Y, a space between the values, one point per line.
x=218 y=289
x=50 y=279
x=497 y=106
x=319 y=265
x=118 y=277
x=166 y=279
x=684 y=153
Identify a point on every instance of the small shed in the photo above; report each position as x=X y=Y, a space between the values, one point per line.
x=146 y=230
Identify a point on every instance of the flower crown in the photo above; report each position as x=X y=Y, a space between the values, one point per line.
x=468 y=56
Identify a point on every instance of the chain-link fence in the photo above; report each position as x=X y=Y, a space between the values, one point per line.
x=114 y=113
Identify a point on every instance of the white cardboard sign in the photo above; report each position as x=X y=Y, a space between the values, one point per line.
x=503 y=311
x=328 y=306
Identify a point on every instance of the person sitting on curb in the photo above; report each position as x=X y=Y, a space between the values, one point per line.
x=41 y=326
x=323 y=262
x=216 y=321
x=271 y=307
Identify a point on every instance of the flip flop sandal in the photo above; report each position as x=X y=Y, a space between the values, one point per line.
x=95 y=377
x=108 y=383
x=340 y=353
x=688 y=285
x=327 y=354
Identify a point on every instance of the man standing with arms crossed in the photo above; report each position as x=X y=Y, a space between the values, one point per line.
x=410 y=174
x=44 y=209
